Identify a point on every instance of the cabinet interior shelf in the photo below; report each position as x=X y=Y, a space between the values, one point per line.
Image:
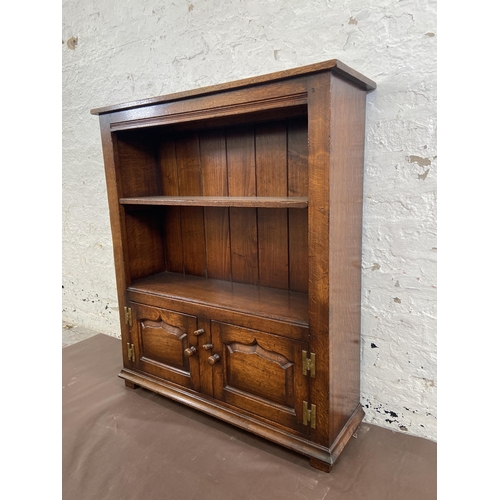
x=272 y=303
x=219 y=201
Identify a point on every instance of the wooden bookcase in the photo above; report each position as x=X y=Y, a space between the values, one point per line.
x=236 y=220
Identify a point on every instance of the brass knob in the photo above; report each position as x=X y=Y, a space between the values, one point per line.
x=213 y=359
x=208 y=347
x=199 y=332
x=190 y=351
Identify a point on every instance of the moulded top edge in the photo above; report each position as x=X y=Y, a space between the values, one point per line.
x=336 y=66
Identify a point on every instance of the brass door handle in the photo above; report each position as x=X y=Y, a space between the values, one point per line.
x=208 y=347
x=199 y=332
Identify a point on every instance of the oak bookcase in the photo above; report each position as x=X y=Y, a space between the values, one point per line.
x=236 y=217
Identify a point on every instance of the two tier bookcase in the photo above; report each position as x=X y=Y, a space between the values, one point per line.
x=236 y=216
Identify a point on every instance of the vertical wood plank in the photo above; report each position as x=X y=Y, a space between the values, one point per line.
x=219 y=368
x=214 y=181
x=188 y=164
x=213 y=163
x=297 y=157
x=117 y=221
x=206 y=373
x=297 y=248
x=243 y=221
x=168 y=168
x=193 y=240
x=192 y=223
x=241 y=161
x=174 y=254
x=319 y=111
x=273 y=247
x=271 y=173
x=170 y=187
x=271 y=159
x=217 y=243
x=244 y=258
x=297 y=219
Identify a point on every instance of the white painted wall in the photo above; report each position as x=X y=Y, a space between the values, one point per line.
x=115 y=51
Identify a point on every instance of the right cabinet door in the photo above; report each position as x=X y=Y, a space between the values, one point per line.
x=260 y=373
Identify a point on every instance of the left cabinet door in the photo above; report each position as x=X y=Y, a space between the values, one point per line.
x=165 y=345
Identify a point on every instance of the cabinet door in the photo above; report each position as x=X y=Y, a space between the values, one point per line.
x=260 y=373
x=161 y=339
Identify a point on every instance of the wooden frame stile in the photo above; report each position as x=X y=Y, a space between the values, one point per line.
x=319 y=196
x=117 y=222
x=236 y=217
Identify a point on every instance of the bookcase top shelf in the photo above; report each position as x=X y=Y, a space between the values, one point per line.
x=219 y=201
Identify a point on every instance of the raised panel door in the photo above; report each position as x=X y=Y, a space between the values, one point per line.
x=162 y=340
x=260 y=373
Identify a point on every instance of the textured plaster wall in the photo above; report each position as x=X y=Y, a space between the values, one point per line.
x=116 y=50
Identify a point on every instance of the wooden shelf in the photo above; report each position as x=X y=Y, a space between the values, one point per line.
x=219 y=201
x=272 y=303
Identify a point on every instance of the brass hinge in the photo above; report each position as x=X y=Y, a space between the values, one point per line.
x=131 y=352
x=309 y=415
x=128 y=316
x=309 y=364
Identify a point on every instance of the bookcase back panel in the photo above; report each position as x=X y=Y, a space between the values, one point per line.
x=265 y=246
x=258 y=246
x=263 y=159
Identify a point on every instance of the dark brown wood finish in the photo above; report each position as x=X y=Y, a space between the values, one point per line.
x=160 y=338
x=169 y=178
x=270 y=322
x=236 y=220
x=220 y=163
x=298 y=181
x=318 y=243
x=260 y=373
x=334 y=65
x=268 y=98
x=118 y=233
x=214 y=181
x=243 y=222
x=137 y=175
x=272 y=225
x=267 y=302
x=346 y=212
x=192 y=219
x=145 y=251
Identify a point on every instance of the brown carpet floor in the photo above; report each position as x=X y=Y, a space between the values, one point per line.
x=120 y=443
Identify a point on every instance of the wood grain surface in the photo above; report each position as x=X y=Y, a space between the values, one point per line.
x=333 y=65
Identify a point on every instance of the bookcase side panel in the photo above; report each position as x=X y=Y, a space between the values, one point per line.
x=117 y=215
x=346 y=209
